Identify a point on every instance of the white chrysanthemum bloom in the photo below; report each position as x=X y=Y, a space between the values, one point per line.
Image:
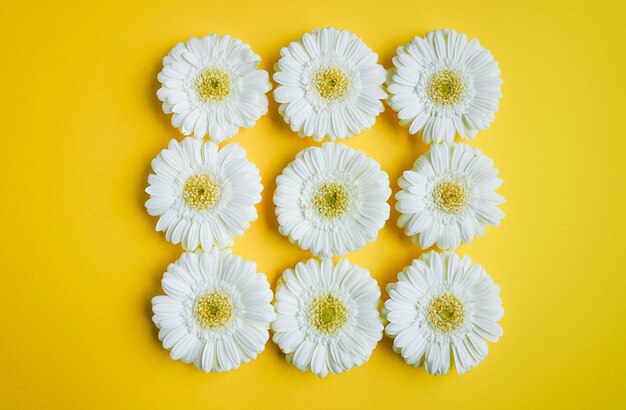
x=332 y=200
x=327 y=317
x=449 y=196
x=443 y=306
x=216 y=312
x=202 y=194
x=213 y=87
x=442 y=85
x=330 y=84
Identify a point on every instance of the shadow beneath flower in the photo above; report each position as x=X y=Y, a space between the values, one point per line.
x=268 y=196
x=136 y=182
x=418 y=148
x=153 y=288
x=386 y=59
x=152 y=85
x=387 y=344
x=284 y=137
x=154 y=334
x=142 y=184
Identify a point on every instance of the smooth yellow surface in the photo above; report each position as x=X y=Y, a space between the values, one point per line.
x=81 y=259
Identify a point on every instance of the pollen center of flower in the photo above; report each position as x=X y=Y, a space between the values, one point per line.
x=327 y=314
x=445 y=313
x=213 y=85
x=331 y=200
x=331 y=83
x=450 y=197
x=445 y=88
x=201 y=192
x=213 y=310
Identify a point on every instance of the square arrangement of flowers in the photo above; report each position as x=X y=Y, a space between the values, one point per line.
x=327 y=315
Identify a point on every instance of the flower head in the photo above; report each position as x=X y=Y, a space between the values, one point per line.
x=444 y=84
x=330 y=84
x=449 y=196
x=213 y=87
x=440 y=306
x=327 y=316
x=203 y=195
x=216 y=311
x=332 y=200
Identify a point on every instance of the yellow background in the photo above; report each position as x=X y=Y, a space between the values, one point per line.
x=81 y=259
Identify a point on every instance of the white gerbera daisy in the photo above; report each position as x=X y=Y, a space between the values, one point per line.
x=203 y=195
x=443 y=84
x=217 y=310
x=449 y=196
x=329 y=84
x=443 y=305
x=332 y=200
x=213 y=87
x=327 y=316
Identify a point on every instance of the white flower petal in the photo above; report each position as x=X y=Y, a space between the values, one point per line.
x=208 y=357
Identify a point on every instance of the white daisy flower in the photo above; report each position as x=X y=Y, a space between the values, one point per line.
x=443 y=305
x=327 y=317
x=332 y=200
x=213 y=87
x=203 y=196
x=449 y=196
x=216 y=312
x=442 y=85
x=329 y=84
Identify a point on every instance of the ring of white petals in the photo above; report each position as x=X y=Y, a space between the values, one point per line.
x=194 y=324
x=455 y=107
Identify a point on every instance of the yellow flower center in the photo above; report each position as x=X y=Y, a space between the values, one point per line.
x=213 y=85
x=450 y=197
x=331 y=200
x=201 y=192
x=445 y=313
x=327 y=314
x=331 y=83
x=445 y=88
x=213 y=310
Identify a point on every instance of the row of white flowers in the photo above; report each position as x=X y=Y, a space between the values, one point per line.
x=331 y=85
x=331 y=199
x=217 y=312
